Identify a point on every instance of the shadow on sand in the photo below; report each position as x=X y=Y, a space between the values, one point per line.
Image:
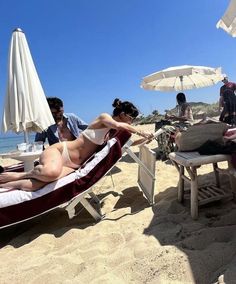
x=58 y=223
x=55 y=222
x=208 y=243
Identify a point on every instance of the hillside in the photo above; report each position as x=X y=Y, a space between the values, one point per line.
x=199 y=110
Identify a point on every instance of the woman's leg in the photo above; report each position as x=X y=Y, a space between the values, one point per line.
x=50 y=168
x=11 y=176
x=24 y=184
x=32 y=184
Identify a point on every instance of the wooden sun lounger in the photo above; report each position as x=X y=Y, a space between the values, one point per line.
x=200 y=195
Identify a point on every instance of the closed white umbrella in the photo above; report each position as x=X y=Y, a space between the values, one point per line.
x=228 y=20
x=182 y=78
x=26 y=108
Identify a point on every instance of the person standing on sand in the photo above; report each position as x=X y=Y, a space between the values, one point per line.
x=228 y=86
x=228 y=115
x=60 y=159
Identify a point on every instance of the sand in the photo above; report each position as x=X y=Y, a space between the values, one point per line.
x=135 y=243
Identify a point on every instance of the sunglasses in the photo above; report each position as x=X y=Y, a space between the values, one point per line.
x=57 y=111
x=130 y=117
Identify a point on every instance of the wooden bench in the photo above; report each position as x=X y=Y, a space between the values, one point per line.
x=200 y=195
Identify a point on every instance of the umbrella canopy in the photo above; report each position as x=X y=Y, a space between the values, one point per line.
x=26 y=108
x=228 y=20
x=182 y=78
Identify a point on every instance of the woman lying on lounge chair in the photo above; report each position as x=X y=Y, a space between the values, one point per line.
x=60 y=159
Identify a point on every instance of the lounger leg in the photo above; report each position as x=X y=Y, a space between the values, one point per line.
x=217 y=175
x=180 y=170
x=194 y=192
x=97 y=201
x=90 y=209
x=94 y=197
x=71 y=208
x=181 y=184
x=232 y=179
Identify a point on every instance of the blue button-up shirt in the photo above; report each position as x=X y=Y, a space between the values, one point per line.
x=74 y=123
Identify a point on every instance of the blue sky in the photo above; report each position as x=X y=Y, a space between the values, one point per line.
x=88 y=52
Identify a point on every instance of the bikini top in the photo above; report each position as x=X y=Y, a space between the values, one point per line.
x=97 y=136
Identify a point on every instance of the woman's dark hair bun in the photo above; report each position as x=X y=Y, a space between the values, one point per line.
x=117 y=103
x=126 y=107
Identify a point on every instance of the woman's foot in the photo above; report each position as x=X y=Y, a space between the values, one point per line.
x=9 y=176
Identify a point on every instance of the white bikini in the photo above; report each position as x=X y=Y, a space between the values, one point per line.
x=97 y=136
x=66 y=157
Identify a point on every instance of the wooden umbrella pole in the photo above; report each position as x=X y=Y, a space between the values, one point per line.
x=26 y=137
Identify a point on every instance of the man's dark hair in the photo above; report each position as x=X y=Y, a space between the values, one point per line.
x=225 y=80
x=55 y=102
x=181 y=98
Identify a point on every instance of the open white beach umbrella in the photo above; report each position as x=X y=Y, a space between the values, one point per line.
x=26 y=108
x=228 y=20
x=182 y=78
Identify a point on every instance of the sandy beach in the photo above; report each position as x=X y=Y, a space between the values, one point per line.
x=135 y=243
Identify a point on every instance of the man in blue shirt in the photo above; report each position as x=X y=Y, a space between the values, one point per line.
x=67 y=126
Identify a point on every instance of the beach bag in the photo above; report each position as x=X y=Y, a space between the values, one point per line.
x=197 y=134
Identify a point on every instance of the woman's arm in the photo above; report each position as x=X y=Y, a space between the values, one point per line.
x=141 y=141
x=108 y=121
x=232 y=137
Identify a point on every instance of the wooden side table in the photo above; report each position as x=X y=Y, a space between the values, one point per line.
x=199 y=195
